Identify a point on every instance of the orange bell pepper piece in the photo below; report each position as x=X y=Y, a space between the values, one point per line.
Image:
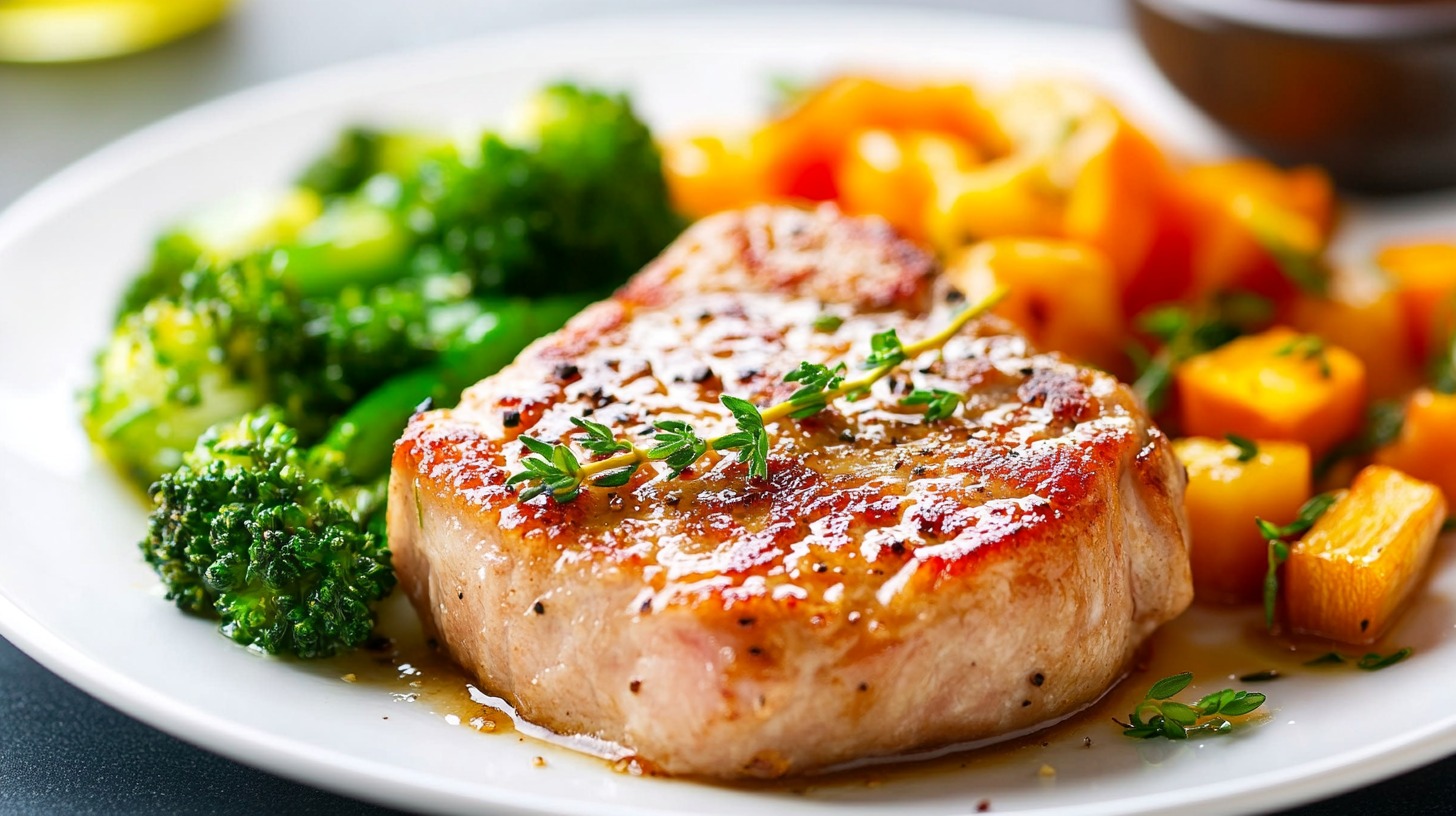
x=1226 y=492
x=1278 y=384
x=1351 y=573
x=1063 y=294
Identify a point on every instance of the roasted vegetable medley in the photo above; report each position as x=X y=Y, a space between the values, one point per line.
x=1207 y=284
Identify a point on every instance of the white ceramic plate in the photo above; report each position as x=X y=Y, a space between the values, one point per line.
x=75 y=595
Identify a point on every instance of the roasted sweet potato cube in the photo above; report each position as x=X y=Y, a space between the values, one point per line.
x=1350 y=574
x=1063 y=294
x=707 y=174
x=1224 y=497
x=1364 y=316
x=1425 y=277
x=1279 y=384
x=893 y=174
x=1260 y=225
x=1426 y=447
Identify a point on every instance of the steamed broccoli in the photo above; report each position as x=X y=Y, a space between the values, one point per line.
x=574 y=199
x=360 y=153
x=271 y=538
x=285 y=544
x=179 y=365
x=311 y=299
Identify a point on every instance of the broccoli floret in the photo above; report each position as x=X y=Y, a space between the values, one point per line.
x=360 y=153
x=574 y=202
x=180 y=365
x=311 y=301
x=271 y=538
x=217 y=237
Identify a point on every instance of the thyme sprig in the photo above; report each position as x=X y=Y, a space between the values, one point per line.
x=1158 y=715
x=1279 y=537
x=1184 y=332
x=555 y=470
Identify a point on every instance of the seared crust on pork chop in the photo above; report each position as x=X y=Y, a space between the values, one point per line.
x=893 y=586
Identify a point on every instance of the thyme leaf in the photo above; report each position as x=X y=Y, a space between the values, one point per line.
x=939 y=404
x=1278 y=538
x=1248 y=450
x=1160 y=716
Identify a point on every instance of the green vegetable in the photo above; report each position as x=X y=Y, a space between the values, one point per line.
x=574 y=199
x=1183 y=332
x=1248 y=450
x=1278 y=538
x=360 y=154
x=271 y=538
x=1159 y=716
x=1372 y=661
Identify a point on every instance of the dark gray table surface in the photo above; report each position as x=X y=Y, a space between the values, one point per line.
x=62 y=751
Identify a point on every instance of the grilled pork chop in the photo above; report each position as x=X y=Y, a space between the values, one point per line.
x=892 y=586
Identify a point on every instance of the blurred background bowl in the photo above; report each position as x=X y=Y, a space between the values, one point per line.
x=1365 y=89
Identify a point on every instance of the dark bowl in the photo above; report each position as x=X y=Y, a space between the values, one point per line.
x=1365 y=89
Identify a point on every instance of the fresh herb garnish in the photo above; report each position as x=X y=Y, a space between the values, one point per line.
x=1160 y=716
x=827 y=322
x=1310 y=347
x=938 y=404
x=556 y=471
x=1376 y=662
x=1326 y=659
x=599 y=438
x=751 y=438
x=1383 y=422
x=1184 y=332
x=678 y=446
x=816 y=380
x=1260 y=676
x=1278 y=538
x=1248 y=450
x=1372 y=661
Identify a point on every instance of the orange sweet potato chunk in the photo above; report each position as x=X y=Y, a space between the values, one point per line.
x=1365 y=317
x=1350 y=574
x=1063 y=294
x=1425 y=278
x=1279 y=384
x=1224 y=497
x=1426 y=447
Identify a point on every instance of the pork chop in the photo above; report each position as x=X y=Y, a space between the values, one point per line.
x=892 y=586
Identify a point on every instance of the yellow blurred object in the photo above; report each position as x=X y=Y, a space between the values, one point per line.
x=74 y=30
x=1364 y=316
x=1063 y=294
x=1224 y=496
x=1347 y=578
x=1426 y=447
x=1279 y=384
x=1425 y=277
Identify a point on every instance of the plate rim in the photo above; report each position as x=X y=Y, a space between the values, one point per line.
x=376 y=781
